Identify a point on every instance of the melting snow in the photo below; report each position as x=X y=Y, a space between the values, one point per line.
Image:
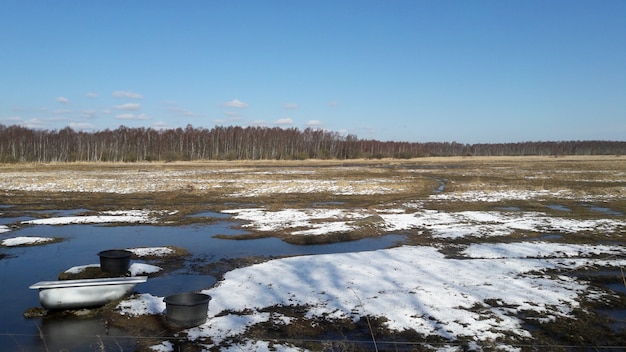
x=25 y=241
x=135 y=269
x=496 y=196
x=129 y=216
x=414 y=288
x=440 y=224
x=151 y=251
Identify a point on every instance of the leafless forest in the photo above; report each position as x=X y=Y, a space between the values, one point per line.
x=124 y=144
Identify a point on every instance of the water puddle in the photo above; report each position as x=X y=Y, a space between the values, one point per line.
x=508 y=208
x=80 y=334
x=210 y=214
x=441 y=187
x=175 y=283
x=558 y=207
x=618 y=319
x=618 y=287
x=546 y=237
x=604 y=210
x=325 y=204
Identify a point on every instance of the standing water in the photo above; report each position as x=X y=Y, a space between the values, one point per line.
x=23 y=266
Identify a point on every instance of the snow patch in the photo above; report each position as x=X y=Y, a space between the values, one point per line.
x=142 y=304
x=128 y=216
x=439 y=224
x=413 y=287
x=151 y=251
x=135 y=269
x=25 y=241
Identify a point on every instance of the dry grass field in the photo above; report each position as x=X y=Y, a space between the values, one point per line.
x=455 y=183
x=593 y=176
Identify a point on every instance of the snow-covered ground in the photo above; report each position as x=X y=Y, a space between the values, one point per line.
x=127 y=216
x=440 y=224
x=415 y=288
x=410 y=216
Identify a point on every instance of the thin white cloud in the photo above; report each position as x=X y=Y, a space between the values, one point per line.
x=333 y=104
x=61 y=111
x=12 y=119
x=235 y=103
x=314 y=123
x=23 y=109
x=127 y=94
x=181 y=112
x=290 y=106
x=90 y=114
x=82 y=126
x=33 y=123
x=63 y=100
x=259 y=123
x=91 y=95
x=128 y=106
x=131 y=117
x=233 y=115
x=284 y=121
x=160 y=125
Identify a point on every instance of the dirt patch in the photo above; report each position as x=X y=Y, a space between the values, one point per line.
x=221 y=267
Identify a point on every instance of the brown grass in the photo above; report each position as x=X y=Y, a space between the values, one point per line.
x=360 y=182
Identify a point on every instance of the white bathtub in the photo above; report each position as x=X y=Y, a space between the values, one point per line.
x=72 y=294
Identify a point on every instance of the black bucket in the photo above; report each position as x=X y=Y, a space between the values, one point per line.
x=115 y=261
x=187 y=310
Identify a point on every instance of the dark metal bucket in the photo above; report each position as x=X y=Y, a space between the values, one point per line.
x=187 y=309
x=115 y=261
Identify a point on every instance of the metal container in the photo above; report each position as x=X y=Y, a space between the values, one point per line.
x=115 y=261
x=187 y=310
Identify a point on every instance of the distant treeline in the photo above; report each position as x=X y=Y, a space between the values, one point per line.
x=20 y=144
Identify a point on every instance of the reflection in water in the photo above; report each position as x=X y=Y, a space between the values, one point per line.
x=83 y=334
x=546 y=237
x=508 y=208
x=603 y=210
x=24 y=266
x=170 y=284
x=618 y=287
x=558 y=207
x=210 y=214
x=618 y=318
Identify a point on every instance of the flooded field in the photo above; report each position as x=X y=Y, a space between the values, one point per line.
x=425 y=254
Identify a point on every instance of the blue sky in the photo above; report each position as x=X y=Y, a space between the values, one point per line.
x=417 y=71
